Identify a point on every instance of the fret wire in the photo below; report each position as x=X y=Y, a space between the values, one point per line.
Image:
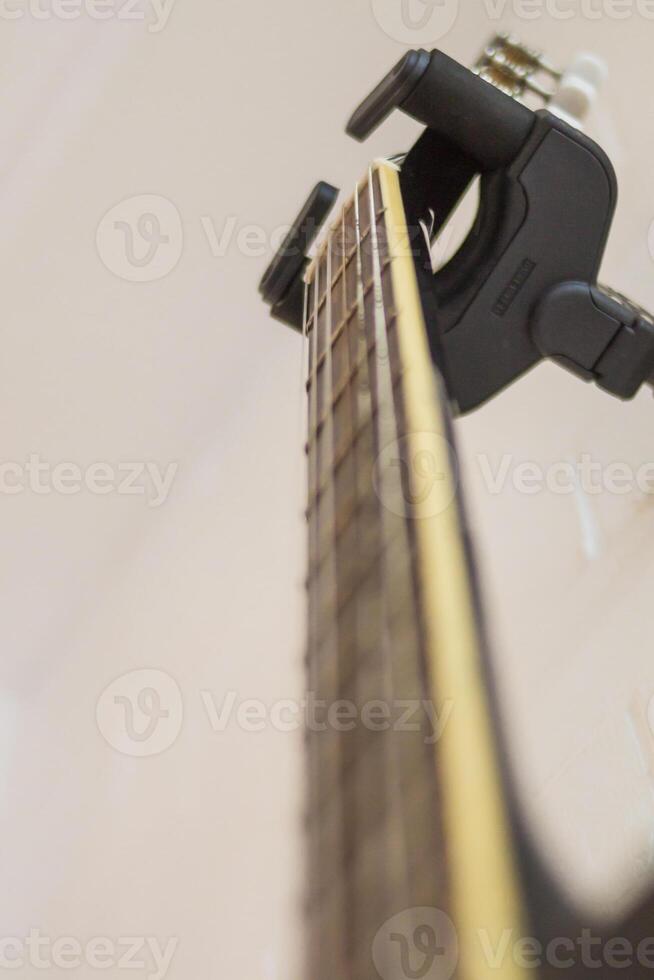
x=348 y=382
x=367 y=651
x=401 y=623
x=343 y=454
x=372 y=750
x=419 y=804
x=347 y=256
x=368 y=287
x=343 y=528
x=339 y=601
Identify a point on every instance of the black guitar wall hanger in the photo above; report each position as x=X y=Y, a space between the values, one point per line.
x=523 y=285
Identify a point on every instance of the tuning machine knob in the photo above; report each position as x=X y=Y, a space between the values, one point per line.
x=520 y=71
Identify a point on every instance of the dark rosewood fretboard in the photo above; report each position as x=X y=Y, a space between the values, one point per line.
x=405 y=808
x=374 y=840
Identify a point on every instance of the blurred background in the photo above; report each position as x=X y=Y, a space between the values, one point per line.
x=151 y=474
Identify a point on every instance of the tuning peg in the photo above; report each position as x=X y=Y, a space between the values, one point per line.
x=578 y=88
x=517 y=70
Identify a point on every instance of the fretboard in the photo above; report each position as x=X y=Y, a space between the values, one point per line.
x=396 y=805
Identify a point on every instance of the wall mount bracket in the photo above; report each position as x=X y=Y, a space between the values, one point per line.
x=523 y=285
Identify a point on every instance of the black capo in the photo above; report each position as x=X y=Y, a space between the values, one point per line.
x=523 y=285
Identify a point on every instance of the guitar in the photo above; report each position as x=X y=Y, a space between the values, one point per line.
x=420 y=861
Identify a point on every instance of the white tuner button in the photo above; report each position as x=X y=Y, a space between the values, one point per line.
x=578 y=88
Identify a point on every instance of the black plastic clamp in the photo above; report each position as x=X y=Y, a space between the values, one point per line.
x=523 y=285
x=598 y=335
x=282 y=285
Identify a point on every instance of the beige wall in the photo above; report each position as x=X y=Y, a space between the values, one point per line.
x=231 y=112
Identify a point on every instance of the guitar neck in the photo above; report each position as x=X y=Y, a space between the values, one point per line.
x=405 y=809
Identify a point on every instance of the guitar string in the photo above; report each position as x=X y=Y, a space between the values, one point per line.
x=386 y=433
